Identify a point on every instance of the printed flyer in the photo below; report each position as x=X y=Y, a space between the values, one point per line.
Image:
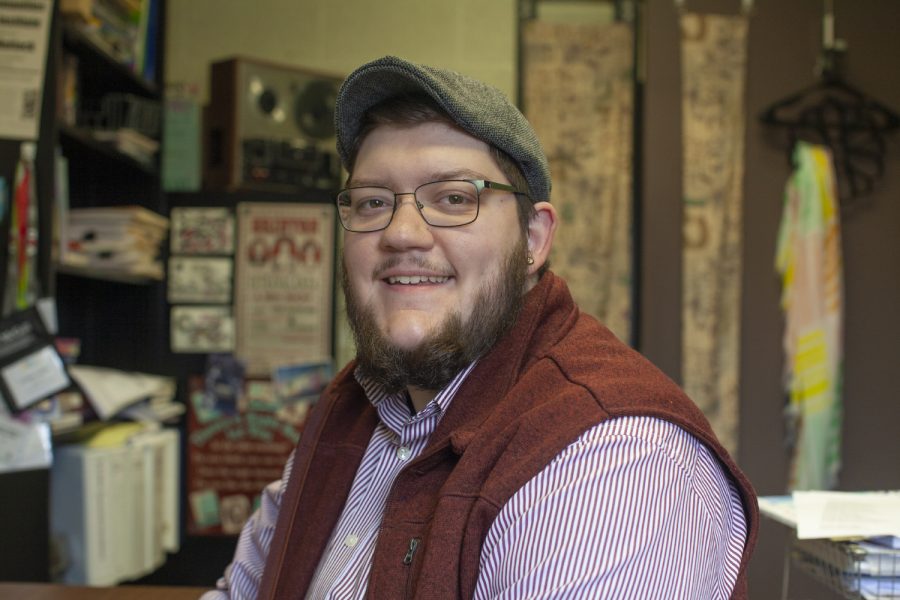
x=283 y=284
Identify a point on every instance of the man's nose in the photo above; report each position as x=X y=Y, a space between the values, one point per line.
x=407 y=226
x=414 y=211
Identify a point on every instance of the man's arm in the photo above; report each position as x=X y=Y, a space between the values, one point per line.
x=242 y=577
x=635 y=508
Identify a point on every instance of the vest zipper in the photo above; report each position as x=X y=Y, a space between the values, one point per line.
x=408 y=561
x=413 y=544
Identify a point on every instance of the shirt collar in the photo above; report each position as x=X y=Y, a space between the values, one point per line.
x=380 y=399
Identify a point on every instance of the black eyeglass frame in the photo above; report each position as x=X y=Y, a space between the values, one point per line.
x=480 y=186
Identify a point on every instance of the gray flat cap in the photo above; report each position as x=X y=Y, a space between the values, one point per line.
x=482 y=110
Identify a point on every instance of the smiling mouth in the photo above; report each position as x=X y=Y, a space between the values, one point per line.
x=415 y=279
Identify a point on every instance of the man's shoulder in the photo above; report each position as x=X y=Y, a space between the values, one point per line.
x=587 y=369
x=590 y=357
x=671 y=441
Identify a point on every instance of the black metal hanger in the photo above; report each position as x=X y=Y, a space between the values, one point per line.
x=836 y=114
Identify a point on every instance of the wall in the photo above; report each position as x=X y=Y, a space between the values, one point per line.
x=478 y=38
x=783 y=47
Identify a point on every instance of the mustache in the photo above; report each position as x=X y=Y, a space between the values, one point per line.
x=410 y=261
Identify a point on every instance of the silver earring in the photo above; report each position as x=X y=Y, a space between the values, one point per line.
x=530 y=259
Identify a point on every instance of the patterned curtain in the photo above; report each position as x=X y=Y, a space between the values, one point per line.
x=713 y=59
x=578 y=94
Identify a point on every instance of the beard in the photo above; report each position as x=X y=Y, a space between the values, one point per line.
x=455 y=343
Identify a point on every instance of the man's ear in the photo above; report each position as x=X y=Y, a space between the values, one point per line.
x=541 y=229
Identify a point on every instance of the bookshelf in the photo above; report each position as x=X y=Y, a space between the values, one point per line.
x=120 y=319
x=121 y=322
x=100 y=64
x=107 y=97
x=90 y=94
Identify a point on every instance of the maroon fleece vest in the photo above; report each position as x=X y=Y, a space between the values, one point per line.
x=555 y=375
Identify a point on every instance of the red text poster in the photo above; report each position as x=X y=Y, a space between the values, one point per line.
x=283 y=288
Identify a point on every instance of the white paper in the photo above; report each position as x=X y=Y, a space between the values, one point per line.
x=46 y=308
x=24 y=446
x=24 y=29
x=35 y=377
x=109 y=390
x=838 y=515
x=779 y=508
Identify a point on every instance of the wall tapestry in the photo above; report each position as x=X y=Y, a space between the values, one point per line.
x=713 y=62
x=578 y=93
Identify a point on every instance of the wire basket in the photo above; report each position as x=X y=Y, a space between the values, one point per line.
x=856 y=570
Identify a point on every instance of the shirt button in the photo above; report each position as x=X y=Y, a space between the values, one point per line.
x=351 y=540
x=403 y=452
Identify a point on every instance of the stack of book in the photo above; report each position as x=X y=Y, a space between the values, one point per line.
x=123 y=29
x=130 y=142
x=114 y=504
x=117 y=242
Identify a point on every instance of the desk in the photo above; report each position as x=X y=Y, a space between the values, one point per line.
x=52 y=591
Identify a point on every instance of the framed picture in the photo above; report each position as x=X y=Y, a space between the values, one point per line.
x=201 y=230
x=200 y=279
x=31 y=368
x=202 y=329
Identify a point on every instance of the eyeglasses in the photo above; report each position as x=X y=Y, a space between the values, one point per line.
x=448 y=203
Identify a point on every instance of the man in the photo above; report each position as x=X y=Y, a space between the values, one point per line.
x=489 y=441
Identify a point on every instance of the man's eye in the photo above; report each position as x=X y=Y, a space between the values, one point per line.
x=372 y=203
x=455 y=199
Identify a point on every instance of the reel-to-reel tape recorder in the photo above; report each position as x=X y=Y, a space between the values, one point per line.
x=270 y=127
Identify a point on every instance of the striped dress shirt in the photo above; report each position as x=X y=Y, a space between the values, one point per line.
x=634 y=508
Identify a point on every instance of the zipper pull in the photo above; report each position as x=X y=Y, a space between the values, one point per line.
x=413 y=544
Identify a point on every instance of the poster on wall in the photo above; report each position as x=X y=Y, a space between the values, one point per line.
x=240 y=434
x=234 y=451
x=200 y=279
x=283 y=284
x=24 y=31
x=200 y=329
x=201 y=230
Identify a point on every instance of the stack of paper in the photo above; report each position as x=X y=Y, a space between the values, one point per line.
x=115 y=242
x=114 y=510
x=128 y=141
x=845 y=515
x=111 y=392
